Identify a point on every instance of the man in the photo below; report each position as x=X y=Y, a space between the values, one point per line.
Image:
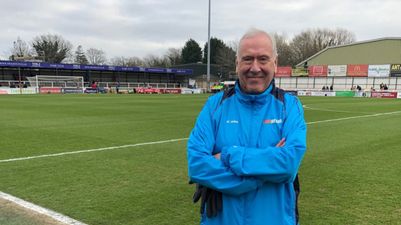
x=118 y=87
x=248 y=143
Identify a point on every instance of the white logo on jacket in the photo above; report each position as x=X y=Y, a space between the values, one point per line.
x=232 y=121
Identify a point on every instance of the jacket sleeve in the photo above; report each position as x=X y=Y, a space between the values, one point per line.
x=273 y=164
x=203 y=168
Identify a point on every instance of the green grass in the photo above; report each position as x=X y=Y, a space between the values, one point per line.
x=350 y=174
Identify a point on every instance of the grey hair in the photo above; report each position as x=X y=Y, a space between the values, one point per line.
x=253 y=32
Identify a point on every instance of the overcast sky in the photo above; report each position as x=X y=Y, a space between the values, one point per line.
x=139 y=28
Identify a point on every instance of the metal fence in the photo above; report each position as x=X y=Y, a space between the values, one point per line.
x=338 y=83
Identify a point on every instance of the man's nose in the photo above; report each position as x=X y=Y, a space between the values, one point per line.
x=255 y=67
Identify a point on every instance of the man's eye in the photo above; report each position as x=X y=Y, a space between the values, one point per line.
x=247 y=59
x=264 y=59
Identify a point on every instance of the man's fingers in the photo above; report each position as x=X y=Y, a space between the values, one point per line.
x=219 y=201
x=281 y=143
x=198 y=193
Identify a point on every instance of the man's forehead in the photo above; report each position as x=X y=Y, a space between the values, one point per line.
x=256 y=45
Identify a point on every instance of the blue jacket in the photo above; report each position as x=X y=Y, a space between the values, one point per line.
x=255 y=177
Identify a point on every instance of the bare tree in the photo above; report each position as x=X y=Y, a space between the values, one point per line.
x=173 y=56
x=20 y=49
x=135 y=61
x=155 y=61
x=284 y=51
x=70 y=58
x=123 y=61
x=311 y=41
x=51 y=48
x=343 y=36
x=118 y=61
x=96 y=56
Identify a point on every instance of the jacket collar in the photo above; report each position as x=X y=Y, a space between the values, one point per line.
x=254 y=99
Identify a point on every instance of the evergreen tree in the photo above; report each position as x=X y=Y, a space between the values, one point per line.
x=222 y=55
x=215 y=46
x=191 y=52
x=52 y=48
x=80 y=57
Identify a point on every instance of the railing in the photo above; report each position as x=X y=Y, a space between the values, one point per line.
x=15 y=83
x=338 y=83
x=295 y=83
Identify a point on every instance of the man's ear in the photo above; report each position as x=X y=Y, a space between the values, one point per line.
x=275 y=65
x=236 y=65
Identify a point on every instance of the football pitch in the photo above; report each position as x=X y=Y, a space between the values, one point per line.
x=121 y=159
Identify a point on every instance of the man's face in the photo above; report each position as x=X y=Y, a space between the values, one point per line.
x=256 y=64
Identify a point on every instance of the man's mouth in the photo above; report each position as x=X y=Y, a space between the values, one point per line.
x=254 y=77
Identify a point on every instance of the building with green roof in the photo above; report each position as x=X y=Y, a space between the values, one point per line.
x=377 y=51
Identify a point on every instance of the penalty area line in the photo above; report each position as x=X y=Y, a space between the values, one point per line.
x=41 y=210
x=92 y=150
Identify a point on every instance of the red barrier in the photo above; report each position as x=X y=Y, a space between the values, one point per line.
x=283 y=71
x=172 y=91
x=142 y=90
x=383 y=94
x=50 y=90
x=317 y=71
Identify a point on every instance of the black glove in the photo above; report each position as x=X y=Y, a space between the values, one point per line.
x=210 y=198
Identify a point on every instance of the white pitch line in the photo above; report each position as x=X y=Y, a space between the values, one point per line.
x=332 y=110
x=353 y=117
x=91 y=150
x=38 y=209
x=171 y=140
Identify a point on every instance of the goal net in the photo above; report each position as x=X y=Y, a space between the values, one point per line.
x=57 y=84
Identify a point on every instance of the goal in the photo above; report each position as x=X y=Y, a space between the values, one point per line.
x=57 y=84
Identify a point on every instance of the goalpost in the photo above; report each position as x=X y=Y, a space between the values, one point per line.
x=57 y=84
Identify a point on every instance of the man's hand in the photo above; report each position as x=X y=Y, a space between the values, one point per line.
x=217 y=156
x=281 y=143
x=211 y=200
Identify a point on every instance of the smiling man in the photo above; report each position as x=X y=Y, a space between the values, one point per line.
x=256 y=62
x=247 y=145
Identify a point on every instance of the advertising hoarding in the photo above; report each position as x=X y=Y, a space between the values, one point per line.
x=317 y=71
x=44 y=65
x=171 y=91
x=345 y=93
x=379 y=70
x=323 y=93
x=395 y=70
x=283 y=71
x=337 y=71
x=50 y=90
x=382 y=94
x=357 y=70
x=299 y=72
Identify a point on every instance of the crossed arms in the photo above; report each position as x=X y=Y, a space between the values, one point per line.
x=240 y=169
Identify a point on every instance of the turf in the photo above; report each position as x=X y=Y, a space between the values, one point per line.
x=350 y=174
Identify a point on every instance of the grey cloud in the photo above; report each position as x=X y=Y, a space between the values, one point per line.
x=139 y=28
